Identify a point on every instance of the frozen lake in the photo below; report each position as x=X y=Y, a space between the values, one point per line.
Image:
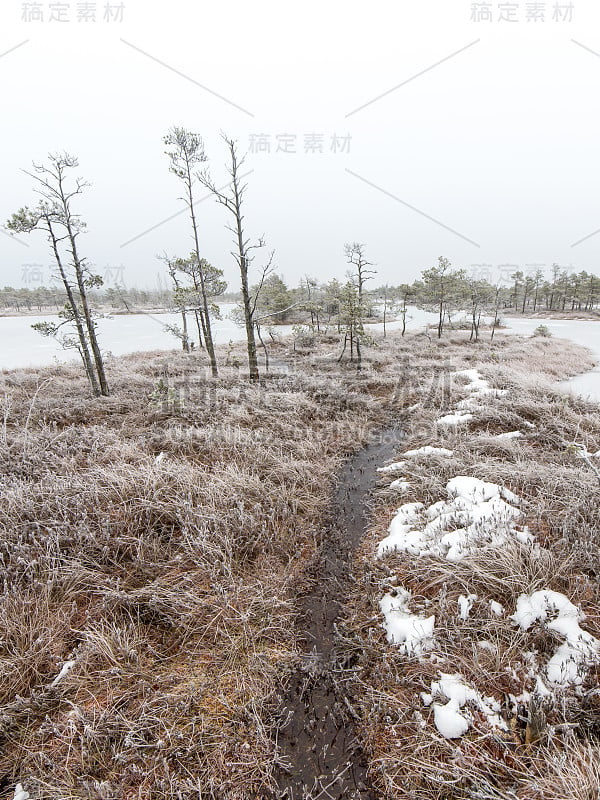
x=583 y=332
x=20 y=346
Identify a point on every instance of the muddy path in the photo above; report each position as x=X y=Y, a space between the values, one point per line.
x=318 y=737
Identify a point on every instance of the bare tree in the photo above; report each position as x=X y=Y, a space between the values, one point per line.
x=388 y=306
x=407 y=294
x=498 y=297
x=186 y=153
x=355 y=254
x=351 y=318
x=55 y=215
x=232 y=198
x=180 y=302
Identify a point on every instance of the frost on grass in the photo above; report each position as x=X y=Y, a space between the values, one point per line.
x=476 y=384
x=401 y=484
x=567 y=667
x=477 y=389
x=453 y=718
x=476 y=514
x=412 y=633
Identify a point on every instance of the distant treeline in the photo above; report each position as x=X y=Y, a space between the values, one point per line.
x=51 y=300
x=563 y=291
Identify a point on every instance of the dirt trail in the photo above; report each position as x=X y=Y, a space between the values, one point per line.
x=318 y=737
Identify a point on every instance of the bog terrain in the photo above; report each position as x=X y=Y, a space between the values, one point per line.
x=334 y=583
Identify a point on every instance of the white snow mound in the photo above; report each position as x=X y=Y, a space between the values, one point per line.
x=428 y=450
x=412 y=633
x=477 y=514
x=451 y=718
x=568 y=665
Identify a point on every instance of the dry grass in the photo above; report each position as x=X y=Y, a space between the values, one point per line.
x=549 y=749
x=171 y=585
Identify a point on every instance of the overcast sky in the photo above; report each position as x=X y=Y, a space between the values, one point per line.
x=440 y=134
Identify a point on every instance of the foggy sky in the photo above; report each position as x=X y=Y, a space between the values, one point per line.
x=487 y=158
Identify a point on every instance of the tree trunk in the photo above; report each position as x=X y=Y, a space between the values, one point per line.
x=185 y=341
x=343 y=348
x=243 y=264
x=79 y=273
x=84 y=350
x=205 y=318
x=264 y=347
x=200 y=328
x=89 y=321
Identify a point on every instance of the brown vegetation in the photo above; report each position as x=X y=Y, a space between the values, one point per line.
x=157 y=539
x=550 y=749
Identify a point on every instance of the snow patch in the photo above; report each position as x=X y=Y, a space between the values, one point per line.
x=496 y=608
x=567 y=666
x=452 y=719
x=509 y=435
x=395 y=467
x=477 y=514
x=449 y=721
x=477 y=388
x=454 y=420
x=465 y=604
x=20 y=793
x=400 y=485
x=428 y=451
x=412 y=633
x=476 y=384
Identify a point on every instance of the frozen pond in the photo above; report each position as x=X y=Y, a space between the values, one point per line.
x=20 y=346
x=583 y=332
